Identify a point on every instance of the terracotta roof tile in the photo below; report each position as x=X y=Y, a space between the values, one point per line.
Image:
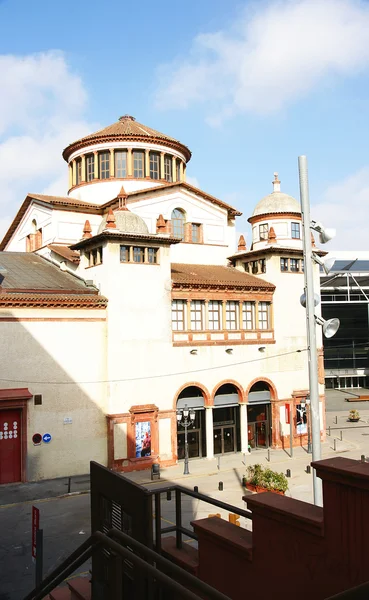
x=39 y=300
x=214 y=275
x=126 y=128
x=65 y=252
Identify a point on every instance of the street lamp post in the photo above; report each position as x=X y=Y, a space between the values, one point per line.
x=186 y=417
x=308 y=418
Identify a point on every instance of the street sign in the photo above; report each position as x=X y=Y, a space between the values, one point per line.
x=37 y=439
x=46 y=438
x=35 y=527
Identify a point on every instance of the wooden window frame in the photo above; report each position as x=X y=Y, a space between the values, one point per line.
x=248 y=309
x=197 y=310
x=212 y=311
x=229 y=312
x=175 y=220
x=78 y=164
x=264 y=308
x=168 y=168
x=136 y=155
x=176 y=311
x=154 y=162
x=104 y=164
x=286 y=264
x=263 y=231
x=90 y=167
x=120 y=156
x=297 y=226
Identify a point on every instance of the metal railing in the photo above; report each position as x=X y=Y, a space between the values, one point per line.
x=161 y=574
x=178 y=527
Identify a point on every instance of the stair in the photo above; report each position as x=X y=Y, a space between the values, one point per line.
x=76 y=589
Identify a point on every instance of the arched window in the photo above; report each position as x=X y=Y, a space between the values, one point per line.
x=178 y=223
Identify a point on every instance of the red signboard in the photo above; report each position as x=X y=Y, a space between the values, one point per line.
x=35 y=527
x=288 y=416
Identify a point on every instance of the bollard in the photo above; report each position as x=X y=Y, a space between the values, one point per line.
x=341 y=436
x=336 y=421
x=196 y=489
x=169 y=495
x=363 y=458
x=69 y=484
x=335 y=444
x=220 y=486
x=218 y=465
x=288 y=473
x=268 y=459
x=155 y=471
x=329 y=430
x=308 y=469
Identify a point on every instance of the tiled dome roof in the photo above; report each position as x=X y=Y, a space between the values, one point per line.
x=276 y=202
x=127 y=128
x=125 y=222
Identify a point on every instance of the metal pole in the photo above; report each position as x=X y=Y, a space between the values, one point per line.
x=39 y=555
x=291 y=436
x=309 y=430
x=310 y=326
x=186 y=469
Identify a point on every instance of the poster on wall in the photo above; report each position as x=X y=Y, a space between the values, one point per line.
x=301 y=419
x=143 y=439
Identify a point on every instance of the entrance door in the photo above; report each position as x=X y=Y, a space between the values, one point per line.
x=224 y=439
x=10 y=446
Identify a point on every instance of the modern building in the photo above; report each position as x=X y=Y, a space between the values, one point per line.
x=129 y=299
x=345 y=294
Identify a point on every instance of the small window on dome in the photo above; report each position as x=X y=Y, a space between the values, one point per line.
x=178 y=170
x=104 y=165
x=263 y=231
x=78 y=171
x=154 y=165
x=121 y=163
x=90 y=167
x=138 y=164
x=295 y=231
x=168 y=176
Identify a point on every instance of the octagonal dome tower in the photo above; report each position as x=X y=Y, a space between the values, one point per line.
x=125 y=152
x=276 y=220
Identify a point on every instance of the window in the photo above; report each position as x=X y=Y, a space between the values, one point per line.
x=168 y=168
x=195 y=233
x=178 y=222
x=197 y=314
x=121 y=163
x=104 y=165
x=214 y=312
x=138 y=254
x=284 y=264
x=302 y=266
x=90 y=167
x=264 y=309
x=94 y=257
x=138 y=163
x=78 y=171
x=262 y=265
x=294 y=265
x=263 y=231
x=231 y=314
x=255 y=267
x=178 y=170
x=154 y=165
x=152 y=255
x=295 y=231
x=246 y=266
x=124 y=254
x=248 y=315
x=178 y=315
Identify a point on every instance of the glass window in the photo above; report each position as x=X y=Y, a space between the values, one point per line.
x=262 y=265
x=178 y=315
x=195 y=233
x=263 y=231
x=248 y=315
x=178 y=222
x=152 y=255
x=264 y=309
x=284 y=264
x=121 y=163
x=138 y=254
x=90 y=167
x=294 y=264
x=295 y=231
x=255 y=267
x=104 y=165
x=138 y=163
x=178 y=170
x=231 y=314
x=215 y=312
x=124 y=254
x=154 y=165
x=94 y=257
x=246 y=266
x=78 y=171
x=168 y=168
x=197 y=314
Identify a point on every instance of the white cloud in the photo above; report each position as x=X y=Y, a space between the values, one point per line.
x=41 y=112
x=193 y=181
x=274 y=54
x=345 y=206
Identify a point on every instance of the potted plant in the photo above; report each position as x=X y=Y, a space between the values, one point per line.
x=260 y=479
x=354 y=415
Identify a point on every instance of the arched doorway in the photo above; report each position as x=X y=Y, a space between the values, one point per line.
x=193 y=397
x=226 y=419
x=259 y=415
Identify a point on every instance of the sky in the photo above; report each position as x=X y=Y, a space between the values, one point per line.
x=248 y=86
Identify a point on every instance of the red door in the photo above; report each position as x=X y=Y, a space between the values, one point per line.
x=10 y=446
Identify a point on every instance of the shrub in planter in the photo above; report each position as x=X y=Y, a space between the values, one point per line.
x=354 y=415
x=264 y=479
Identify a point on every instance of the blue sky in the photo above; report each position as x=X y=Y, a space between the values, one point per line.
x=248 y=86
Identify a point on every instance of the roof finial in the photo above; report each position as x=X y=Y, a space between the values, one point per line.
x=110 y=220
x=87 y=230
x=272 y=238
x=127 y=118
x=122 y=199
x=276 y=183
x=241 y=244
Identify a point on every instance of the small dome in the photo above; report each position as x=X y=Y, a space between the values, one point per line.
x=126 y=222
x=277 y=202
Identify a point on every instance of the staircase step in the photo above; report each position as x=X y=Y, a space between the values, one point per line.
x=61 y=593
x=186 y=557
x=80 y=588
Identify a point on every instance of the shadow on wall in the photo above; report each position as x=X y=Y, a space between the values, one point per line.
x=54 y=357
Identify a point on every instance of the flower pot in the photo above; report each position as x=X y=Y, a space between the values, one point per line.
x=354 y=420
x=258 y=489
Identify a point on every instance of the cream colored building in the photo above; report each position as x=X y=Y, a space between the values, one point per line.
x=129 y=298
